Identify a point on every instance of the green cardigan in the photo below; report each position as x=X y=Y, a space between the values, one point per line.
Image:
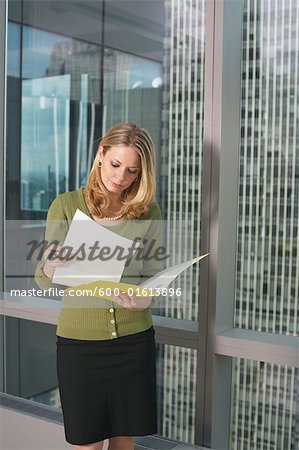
x=102 y=319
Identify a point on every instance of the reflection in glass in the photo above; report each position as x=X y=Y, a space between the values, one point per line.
x=60 y=91
x=13 y=44
x=267 y=295
x=45 y=140
x=132 y=92
x=267 y=275
x=265 y=401
x=182 y=139
x=176 y=386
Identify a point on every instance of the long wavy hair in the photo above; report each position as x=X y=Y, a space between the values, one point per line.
x=141 y=193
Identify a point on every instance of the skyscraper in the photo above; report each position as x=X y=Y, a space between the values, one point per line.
x=264 y=396
x=264 y=412
x=181 y=158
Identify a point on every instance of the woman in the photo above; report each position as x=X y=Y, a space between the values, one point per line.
x=106 y=354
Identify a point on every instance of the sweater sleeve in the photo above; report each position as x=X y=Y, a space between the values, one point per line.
x=154 y=236
x=153 y=265
x=56 y=230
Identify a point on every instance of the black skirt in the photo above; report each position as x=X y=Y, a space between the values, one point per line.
x=107 y=387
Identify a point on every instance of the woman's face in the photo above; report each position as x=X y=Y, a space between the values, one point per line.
x=121 y=165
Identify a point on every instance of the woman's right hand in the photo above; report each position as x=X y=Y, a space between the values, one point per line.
x=51 y=264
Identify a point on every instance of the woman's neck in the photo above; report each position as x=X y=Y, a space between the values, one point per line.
x=115 y=203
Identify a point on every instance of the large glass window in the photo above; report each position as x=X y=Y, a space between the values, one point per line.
x=74 y=70
x=182 y=142
x=267 y=260
x=264 y=399
x=267 y=275
x=176 y=383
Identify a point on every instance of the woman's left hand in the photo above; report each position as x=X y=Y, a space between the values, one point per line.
x=132 y=302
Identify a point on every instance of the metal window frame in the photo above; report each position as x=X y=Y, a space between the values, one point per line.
x=219 y=217
x=209 y=206
x=3 y=40
x=3 y=43
x=232 y=342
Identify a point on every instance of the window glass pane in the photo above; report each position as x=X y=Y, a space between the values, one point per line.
x=45 y=140
x=267 y=260
x=132 y=92
x=54 y=116
x=55 y=67
x=68 y=89
x=176 y=372
x=76 y=69
x=30 y=361
x=264 y=406
x=156 y=78
x=13 y=42
x=181 y=145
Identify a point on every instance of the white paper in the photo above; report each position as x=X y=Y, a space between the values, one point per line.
x=84 y=230
x=165 y=277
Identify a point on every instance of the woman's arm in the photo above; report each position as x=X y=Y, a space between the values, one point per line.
x=56 y=230
x=154 y=238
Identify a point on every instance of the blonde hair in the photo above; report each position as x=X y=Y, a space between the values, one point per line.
x=141 y=193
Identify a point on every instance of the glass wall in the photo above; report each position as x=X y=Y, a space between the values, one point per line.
x=70 y=89
x=264 y=398
x=267 y=274
x=74 y=70
x=182 y=143
x=176 y=375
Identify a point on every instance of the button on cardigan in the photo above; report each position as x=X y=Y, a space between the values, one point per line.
x=102 y=319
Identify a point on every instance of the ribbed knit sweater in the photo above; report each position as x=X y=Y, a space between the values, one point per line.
x=93 y=318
